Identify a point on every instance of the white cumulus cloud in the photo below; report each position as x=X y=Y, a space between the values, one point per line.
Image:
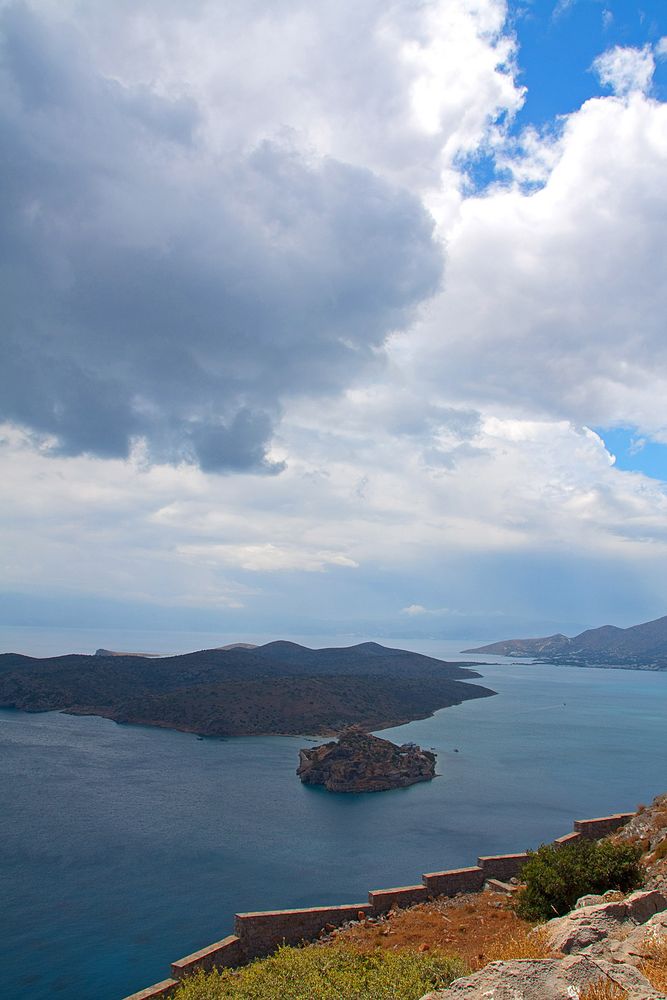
x=626 y=69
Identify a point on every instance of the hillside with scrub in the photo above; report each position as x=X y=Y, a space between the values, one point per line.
x=241 y=690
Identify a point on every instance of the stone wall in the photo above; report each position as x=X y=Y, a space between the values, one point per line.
x=592 y=829
x=261 y=933
x=455 y=880
x=258 y=934
x=223 y=954
x=502 y=866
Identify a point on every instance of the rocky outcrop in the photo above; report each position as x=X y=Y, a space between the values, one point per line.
x=605 y=940
x=648 y=828
x=610 y=929
x=359 y=762
x=547 y=979
x=640 y=943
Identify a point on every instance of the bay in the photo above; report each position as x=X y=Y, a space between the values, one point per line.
x=126 y=847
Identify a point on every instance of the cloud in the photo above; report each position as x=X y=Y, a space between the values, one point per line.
x=555 y=297
x=208 y=212
x=417 y=610
x=626 y=69
x=562 y=7
x=156 y=291
x=540 y=518
x=239 y=239
x=267 y=558
x=399 y=88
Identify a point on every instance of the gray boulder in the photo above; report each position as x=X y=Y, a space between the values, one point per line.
x=611 y=896
x=590 y=900
x=590 y=929
x=635 y=947
x=546 y=979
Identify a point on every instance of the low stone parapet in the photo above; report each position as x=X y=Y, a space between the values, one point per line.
x=453 y=881
x=382 y=900
x=569 y=838
x=262 y=932
x=502 y=866
x=593 y=829
x=164 y=989
x=223 y=954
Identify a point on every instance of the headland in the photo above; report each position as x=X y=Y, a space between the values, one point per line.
x=279 y=688
x=640 y=647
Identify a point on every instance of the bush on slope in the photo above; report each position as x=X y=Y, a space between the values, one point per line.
x=556 y=877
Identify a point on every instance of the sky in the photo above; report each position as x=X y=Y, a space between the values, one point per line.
x=336 y=317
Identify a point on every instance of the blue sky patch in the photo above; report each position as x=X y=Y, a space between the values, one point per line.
x=634 y=452
x=558 y=42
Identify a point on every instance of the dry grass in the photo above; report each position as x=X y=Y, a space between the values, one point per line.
x=480 y=928
x=603 y=989
x=654 y=967
x=522 y=942
x=660 y=852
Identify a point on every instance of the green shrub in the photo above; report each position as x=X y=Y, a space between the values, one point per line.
x=556 y=877
x=328 y=973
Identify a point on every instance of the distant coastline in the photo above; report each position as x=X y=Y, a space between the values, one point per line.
x=640 y=647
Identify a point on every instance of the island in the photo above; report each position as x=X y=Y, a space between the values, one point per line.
x=279 y=688
x=640 y=647
x=359 y=762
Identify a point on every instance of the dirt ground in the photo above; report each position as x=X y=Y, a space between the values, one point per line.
x=479 y=927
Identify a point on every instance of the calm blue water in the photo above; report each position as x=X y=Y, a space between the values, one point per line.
x=124 y=848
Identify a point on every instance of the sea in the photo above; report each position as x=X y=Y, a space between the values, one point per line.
x=123 y=848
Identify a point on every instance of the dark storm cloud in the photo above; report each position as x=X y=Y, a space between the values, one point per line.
x=152 y=289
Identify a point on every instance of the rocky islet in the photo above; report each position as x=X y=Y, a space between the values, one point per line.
x=360 y=762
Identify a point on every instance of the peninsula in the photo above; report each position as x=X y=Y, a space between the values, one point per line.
x=359 y=762
x=640 y=647
x=279 y=688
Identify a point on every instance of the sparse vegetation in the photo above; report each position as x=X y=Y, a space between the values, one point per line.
x=654 y=966
x=603 y=989
x=660 y=852
x=317 y=973
x=556 y=877
x=525 y=942
x=471 y=927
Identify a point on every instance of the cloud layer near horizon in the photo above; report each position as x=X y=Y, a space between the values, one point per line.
x=243 y=240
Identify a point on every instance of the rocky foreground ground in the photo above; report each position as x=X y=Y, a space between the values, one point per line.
x=608 y=946
x=606 y=942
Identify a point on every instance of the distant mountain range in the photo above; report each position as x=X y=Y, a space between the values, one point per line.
x=641 y=647
x=280 y=687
